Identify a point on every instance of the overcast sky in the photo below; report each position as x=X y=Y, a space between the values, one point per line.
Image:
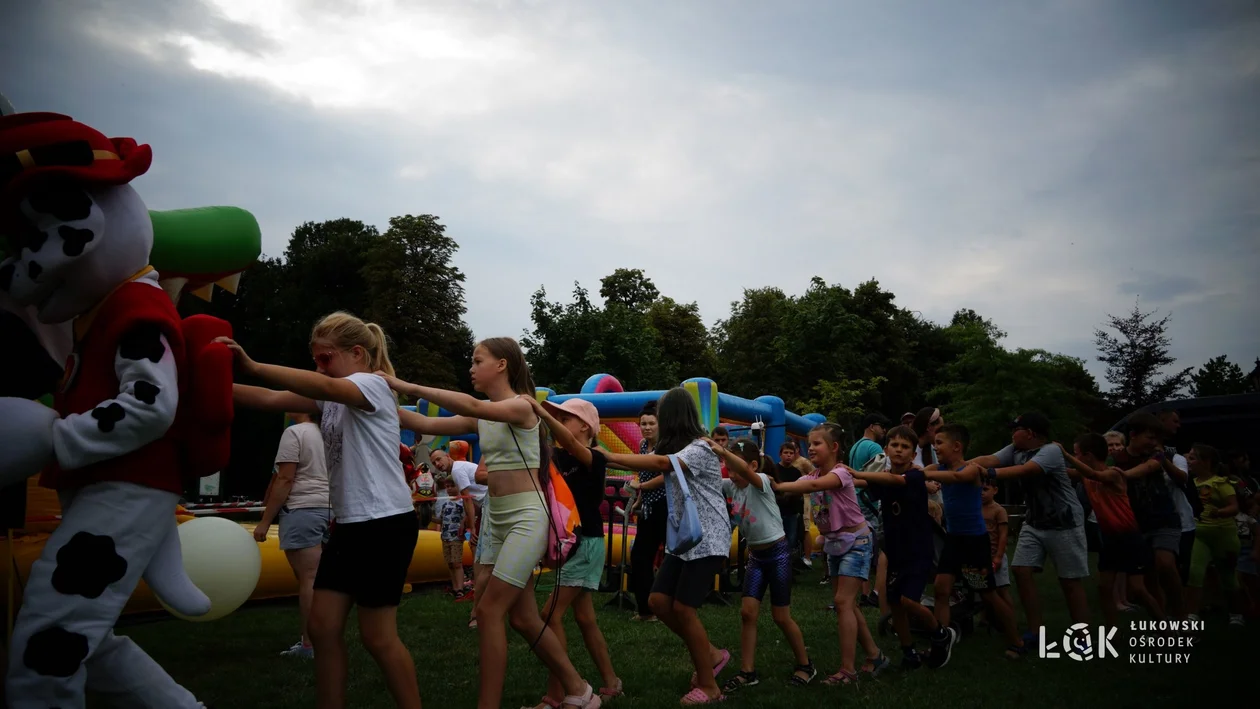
x=1042 y=164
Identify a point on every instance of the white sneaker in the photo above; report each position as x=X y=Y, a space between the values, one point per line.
x=808 y=564
x=299 y=650
x=1236 y=620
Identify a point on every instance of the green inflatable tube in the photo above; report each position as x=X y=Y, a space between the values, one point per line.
x=204 y=241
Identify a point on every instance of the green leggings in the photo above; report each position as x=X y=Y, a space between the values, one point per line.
x=1214 y=545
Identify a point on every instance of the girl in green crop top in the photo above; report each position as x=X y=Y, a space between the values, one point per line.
x=517 y=517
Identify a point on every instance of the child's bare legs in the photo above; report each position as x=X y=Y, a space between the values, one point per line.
x=481 y=574
x=682 y=619
x=501 y=600
x=457 y=576
x=1005 y=615
x=378 y=629
x=593 y=638
x=327 y=628
x=847 y=615
x=305 y=562
x=1169 y=580
x=1028 y=596
x=749 y=609
x=1107 y=597
x=942 y=587
x=1121 y=591
x=579 y=599
x=1138 y=592
x=791 y=632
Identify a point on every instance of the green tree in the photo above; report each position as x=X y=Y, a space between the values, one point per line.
x=1218 y=377
x=987 y=386
x=1135 y=357
x=753 y=345
x=841 y=401
x=628 y=287
x=682 y=338
x=416 y=294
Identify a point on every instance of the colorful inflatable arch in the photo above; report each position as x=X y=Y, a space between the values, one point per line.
x=619 y=414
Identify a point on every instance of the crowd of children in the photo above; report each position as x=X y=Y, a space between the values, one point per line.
x=908 y=510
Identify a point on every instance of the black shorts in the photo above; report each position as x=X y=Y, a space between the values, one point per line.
x=687 y=582
x=966 y=557
x=907 y=583
x=1125 y=553
x=368 y=560
x=1093 y=538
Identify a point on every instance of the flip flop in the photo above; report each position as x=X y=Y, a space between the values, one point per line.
x=697 y=696
x=717 y=669
x=841 y=677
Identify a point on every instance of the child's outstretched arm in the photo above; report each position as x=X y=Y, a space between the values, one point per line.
x=435 y=425
x=735 y=464
x=969 y=474
x=1103 y=475
x=262 y=399
x=303 y=382
x=655 y=463
x=563 y=436
x=513 y=411
x=878 y=478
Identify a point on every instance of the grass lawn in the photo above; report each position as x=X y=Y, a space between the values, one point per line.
x=234 y=662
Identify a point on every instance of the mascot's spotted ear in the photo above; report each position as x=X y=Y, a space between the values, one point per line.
x=117 y=442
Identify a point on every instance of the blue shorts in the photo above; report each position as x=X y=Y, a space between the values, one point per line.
x=771 y=567
x=856 y=562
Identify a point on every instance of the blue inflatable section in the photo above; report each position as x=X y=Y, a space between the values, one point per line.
x=737 y=413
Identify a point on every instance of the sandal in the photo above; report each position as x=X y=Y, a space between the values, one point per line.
x=545 y=703
x=810 y=673
x=697 y=696
x=588 y=700
x=1015 y=652
x=877 y=664
x=472 y=623
x=740 y=681
x=841 y=677
x=607 y=693
x=717 y=669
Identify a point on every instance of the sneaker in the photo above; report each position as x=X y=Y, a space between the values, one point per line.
x=299 y=650
x=911 y=660
x=942 y=647
x=806 y=561
x=1236 y=620
x=870 y=600
x=463 y=596
x=826 y=580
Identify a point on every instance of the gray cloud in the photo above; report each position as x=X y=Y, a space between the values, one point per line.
x=1042 y=166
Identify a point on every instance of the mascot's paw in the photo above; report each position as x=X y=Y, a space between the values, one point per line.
x=26 y=438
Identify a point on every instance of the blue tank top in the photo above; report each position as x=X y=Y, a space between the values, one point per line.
x=963 y=514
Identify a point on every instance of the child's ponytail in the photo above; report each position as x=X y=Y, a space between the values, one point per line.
x=379 y=351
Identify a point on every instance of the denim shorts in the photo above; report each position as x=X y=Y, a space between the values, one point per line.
x=304 y=528
x=856 y=562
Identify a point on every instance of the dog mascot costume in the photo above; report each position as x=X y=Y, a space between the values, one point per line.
x=120 y=443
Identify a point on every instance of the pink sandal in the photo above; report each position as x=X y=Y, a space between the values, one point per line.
x=547 y=702
x=589 y=700
x=717 y=669
x=697 y=696
x=607 y=693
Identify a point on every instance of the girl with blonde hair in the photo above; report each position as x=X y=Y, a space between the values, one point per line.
x=375 y=528
x=516 y=517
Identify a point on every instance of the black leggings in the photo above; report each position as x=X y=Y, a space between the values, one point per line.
x=648 y=538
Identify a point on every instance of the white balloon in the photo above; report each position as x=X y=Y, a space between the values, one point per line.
x=223 y=560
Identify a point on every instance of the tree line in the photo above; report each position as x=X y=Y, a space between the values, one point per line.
x=833 y=350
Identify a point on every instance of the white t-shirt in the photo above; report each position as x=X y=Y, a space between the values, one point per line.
x=304 y=444
x=920 y=463
x=1184 y=510
x=361 y=447
x=465 y=475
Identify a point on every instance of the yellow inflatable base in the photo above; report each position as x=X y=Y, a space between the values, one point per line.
x=276 y=579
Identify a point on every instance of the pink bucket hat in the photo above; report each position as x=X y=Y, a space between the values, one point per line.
x=581 y=408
